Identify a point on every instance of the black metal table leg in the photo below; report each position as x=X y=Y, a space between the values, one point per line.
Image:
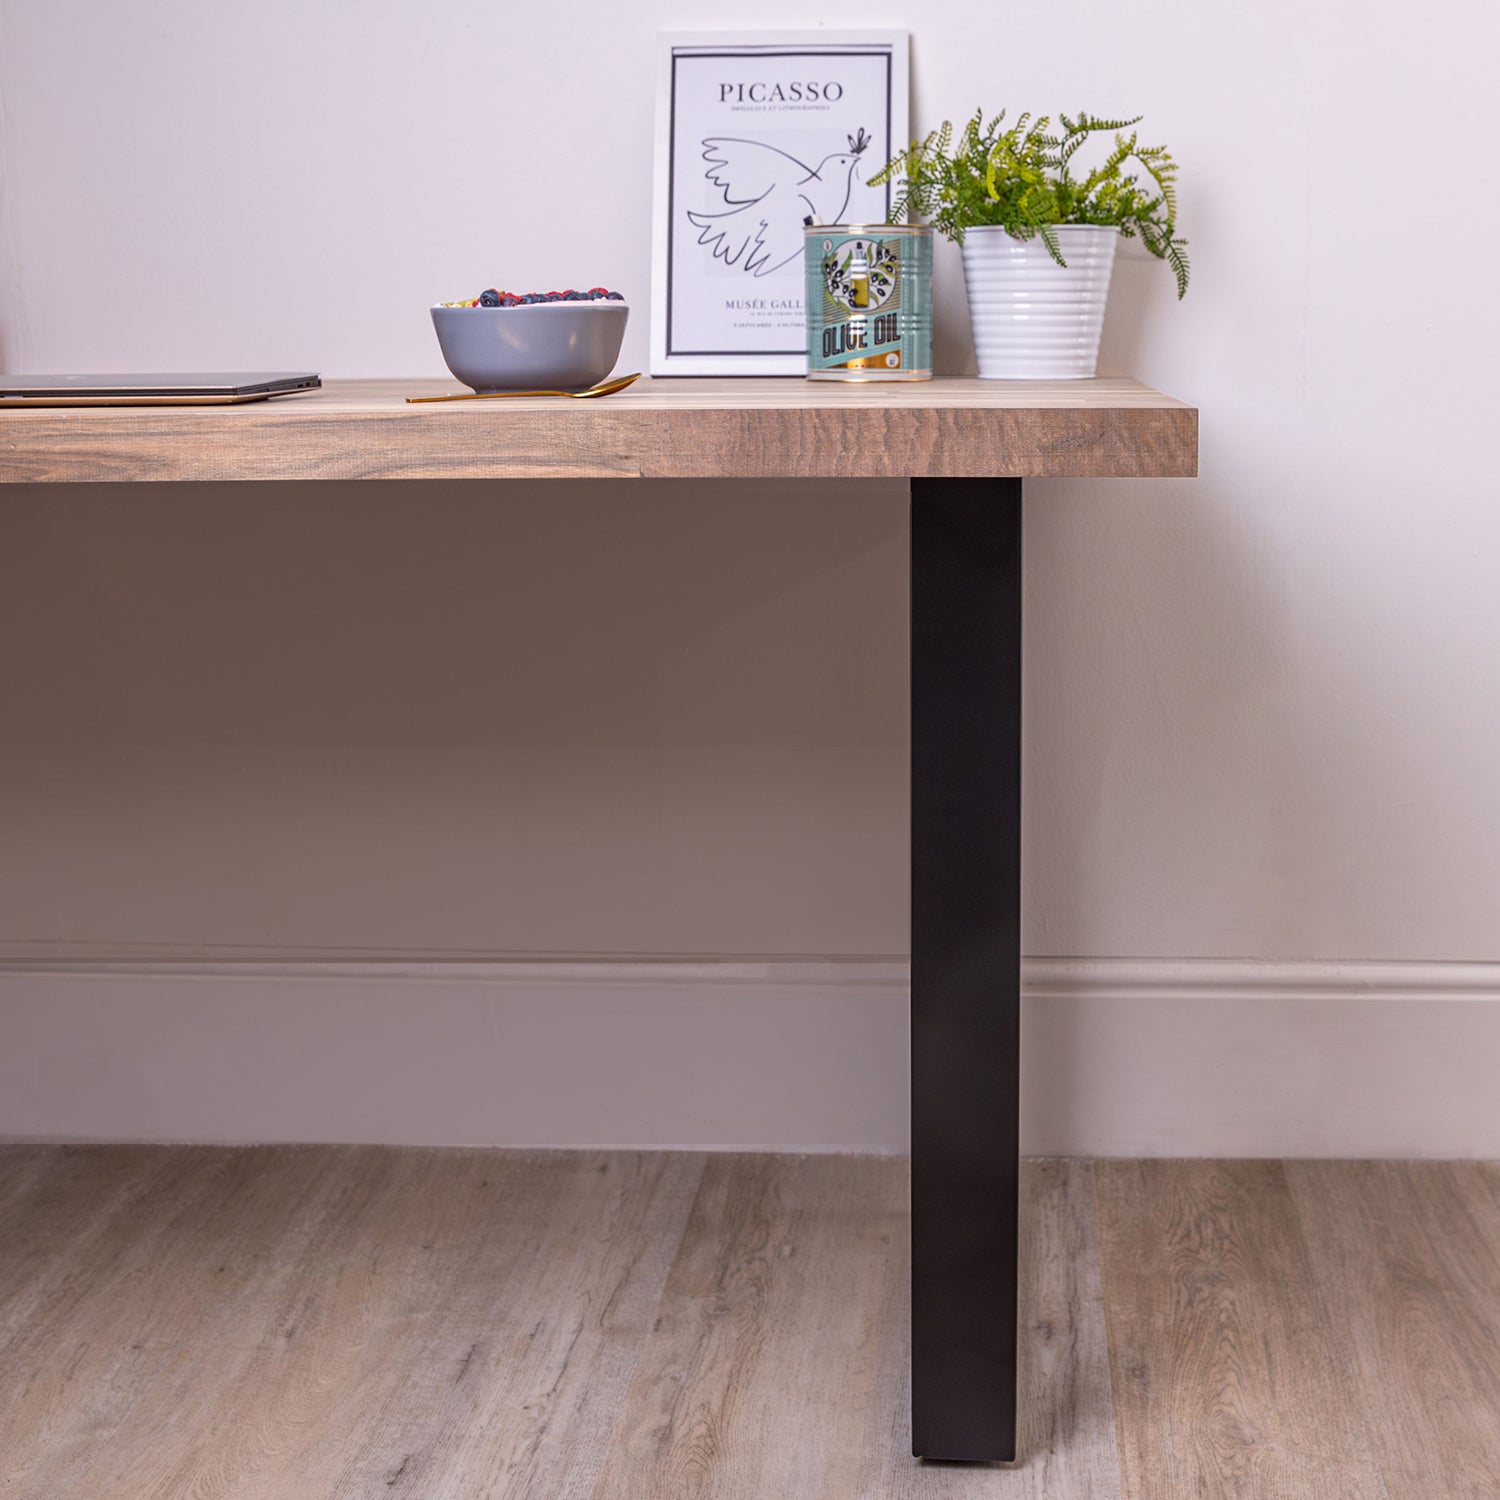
x=965 y=962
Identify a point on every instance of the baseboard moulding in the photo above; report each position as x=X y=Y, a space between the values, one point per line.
x=1122 y=1057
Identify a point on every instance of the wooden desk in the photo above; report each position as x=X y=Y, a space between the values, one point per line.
x=966 y=445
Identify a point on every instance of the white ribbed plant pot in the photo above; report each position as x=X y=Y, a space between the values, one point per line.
x=1033 y=319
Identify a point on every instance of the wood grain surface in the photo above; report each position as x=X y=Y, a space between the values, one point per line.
x=694 y=429
x=1226 y=1378
x=311 y=1322
x=761 y=1374
x=1406 y=1257
x=327 y=1322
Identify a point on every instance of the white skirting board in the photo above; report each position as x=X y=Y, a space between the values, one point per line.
x=1121 y=1056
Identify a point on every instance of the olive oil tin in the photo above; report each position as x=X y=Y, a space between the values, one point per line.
x=869 y=302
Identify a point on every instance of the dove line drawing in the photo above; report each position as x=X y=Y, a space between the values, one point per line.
x=770 y=195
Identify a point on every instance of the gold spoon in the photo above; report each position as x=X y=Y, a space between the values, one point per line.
x=606 y=388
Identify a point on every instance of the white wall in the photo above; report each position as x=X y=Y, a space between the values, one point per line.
x=1262 y=705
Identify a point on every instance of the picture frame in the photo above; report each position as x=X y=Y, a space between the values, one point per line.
x=756 y=132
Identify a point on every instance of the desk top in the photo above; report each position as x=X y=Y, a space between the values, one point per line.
x=663 y=429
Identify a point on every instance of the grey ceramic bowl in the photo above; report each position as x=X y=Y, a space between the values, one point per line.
x=563 y=346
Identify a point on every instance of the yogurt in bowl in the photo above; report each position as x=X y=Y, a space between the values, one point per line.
x=502 y=341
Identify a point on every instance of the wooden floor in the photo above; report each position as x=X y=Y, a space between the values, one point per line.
x=314 y=1322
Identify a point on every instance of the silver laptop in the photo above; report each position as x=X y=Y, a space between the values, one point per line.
x=203 y=388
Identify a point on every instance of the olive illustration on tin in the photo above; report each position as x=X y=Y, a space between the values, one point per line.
x=859 y=274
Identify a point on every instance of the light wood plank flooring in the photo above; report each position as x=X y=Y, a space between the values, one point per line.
x=311 y=1322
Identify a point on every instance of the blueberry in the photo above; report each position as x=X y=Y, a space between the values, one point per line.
x=616 y=296
x=490 y=298
x=510 y=300
x=598 y=294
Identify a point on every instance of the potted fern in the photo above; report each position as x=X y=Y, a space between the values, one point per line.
x=1039 y=241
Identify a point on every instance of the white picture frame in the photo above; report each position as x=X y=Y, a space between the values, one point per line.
x=754 y=131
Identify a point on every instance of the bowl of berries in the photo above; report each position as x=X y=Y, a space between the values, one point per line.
x=526 y=341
